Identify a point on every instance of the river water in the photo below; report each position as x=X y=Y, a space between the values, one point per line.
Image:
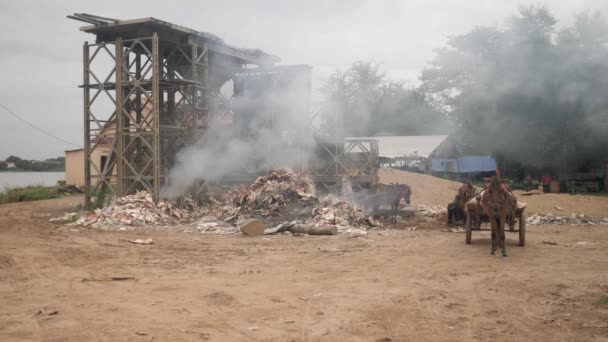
x=21 y=179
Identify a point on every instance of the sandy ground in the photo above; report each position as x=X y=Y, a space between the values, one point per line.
x=427 y=190
x=431 y=190
x=392 y=285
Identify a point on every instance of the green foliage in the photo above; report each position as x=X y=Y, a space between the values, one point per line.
x=528 y=92
x=603 y=300
x=30 y=193
x=370 y=104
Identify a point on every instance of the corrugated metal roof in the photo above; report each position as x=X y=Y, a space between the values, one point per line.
x=406 y=146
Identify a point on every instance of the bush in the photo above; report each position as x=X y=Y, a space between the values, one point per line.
x=30 y=193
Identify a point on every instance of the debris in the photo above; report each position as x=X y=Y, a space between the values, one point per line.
x=70 y=189
x=280 y=194
x=332 y=211
x=141 y=241
x=252 y=227
x=559 y=208
x=289 y=321
x=355 y=232
x=141 y=333
x=298 y=227
x=549 y=243
x=431 y=210
x=211 y=224
x=253 y=328
x=108 y=279
x=46 y=311
x=139 y=210
x=67 y=218
x=550 y=218
x=595 y=325
x=457 y=230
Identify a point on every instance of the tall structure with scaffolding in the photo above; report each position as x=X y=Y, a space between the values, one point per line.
x=163 y=85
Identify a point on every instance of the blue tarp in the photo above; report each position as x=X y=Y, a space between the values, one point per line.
x=476 y=164
x=464 y=164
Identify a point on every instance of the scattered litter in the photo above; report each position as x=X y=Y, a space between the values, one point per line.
x=559 y=208
x=289 y=321
x=457 y=230
x=431 y=210
x=108 y=279
x=583 y=243
x=141 y=333
x=549 y=243
x=69 y=217
x=595 y=325
x=46 y=311
x=141 y=241
x=253 y=328
x=549 y=218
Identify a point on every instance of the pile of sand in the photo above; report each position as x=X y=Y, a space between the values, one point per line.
x=427 y=190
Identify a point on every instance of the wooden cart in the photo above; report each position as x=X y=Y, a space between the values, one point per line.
x=475 y=217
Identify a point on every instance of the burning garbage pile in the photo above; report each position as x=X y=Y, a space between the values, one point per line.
x=139 y=210
x=336 y=212
x=280 y=196
x=537 y=219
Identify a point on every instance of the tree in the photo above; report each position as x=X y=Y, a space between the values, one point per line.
x=13 y=159
x=363 y=102
x=526 y=91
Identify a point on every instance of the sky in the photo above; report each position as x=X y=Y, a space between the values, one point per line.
x=41 y=50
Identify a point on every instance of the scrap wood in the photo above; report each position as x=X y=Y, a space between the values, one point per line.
x=252 y=227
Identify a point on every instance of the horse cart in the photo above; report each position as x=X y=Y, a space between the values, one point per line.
x=475 y=217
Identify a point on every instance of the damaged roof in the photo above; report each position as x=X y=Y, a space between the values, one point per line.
x=108 y=29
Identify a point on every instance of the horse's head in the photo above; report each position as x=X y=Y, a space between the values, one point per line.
x=498 y=196
x=405 y=191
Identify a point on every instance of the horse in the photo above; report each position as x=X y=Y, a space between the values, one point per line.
x=391 y=194
x=498 y=203
x=456 y=208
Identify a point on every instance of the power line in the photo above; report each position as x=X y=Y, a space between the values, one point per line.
x=36 y=127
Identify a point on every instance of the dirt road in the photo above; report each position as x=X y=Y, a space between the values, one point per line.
x=396 y=285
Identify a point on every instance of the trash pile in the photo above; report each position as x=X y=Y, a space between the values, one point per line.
x=331 y=211
x=140 y=209
x=431 y=210
x=277 y=197
x=537 y=219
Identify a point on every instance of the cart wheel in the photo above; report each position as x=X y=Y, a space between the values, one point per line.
x=512 y=222
x=522 y=230
x=467 y=224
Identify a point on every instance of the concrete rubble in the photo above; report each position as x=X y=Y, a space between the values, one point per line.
x=574 y=219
